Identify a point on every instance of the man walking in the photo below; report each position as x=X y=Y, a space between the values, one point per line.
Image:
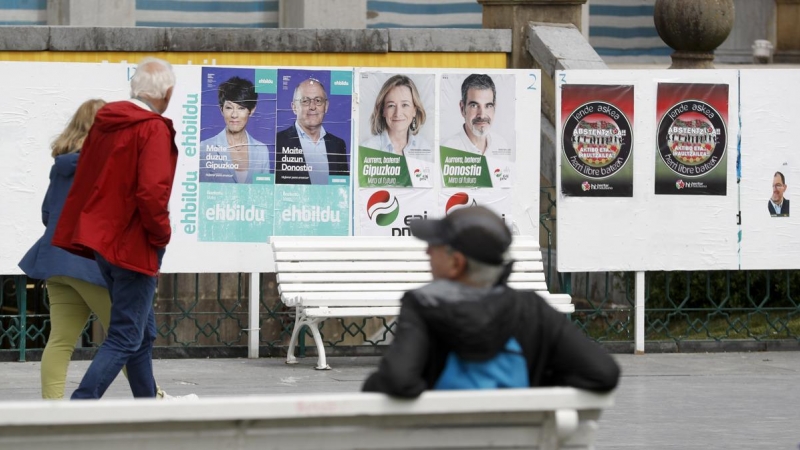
x=117 y=213
x=469 y=330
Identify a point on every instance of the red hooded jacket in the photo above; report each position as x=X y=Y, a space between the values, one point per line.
x=118 y=203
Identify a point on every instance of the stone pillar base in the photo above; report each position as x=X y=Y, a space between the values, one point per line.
x=692 y=60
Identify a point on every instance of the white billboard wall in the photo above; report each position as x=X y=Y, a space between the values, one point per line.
x=770 y=124
x=39 y=99
x=647 y=231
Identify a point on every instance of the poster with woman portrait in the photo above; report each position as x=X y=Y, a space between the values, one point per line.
x=236 y=136
x=396 y=129
x=236 y=162
x=597 y=140
x=477 y=136
x=691 y=139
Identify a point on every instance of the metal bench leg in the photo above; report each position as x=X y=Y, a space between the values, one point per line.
x=321 y=363
x=299 y=322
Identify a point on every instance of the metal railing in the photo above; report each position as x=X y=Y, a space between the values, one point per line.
x=206 y=314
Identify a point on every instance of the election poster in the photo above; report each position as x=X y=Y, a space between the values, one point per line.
x=236 y=162
x=500 y=202
x=477 y=135
x=597 y=140
x=313 y=141
x=691 y=139
x=396 y=129
x=388 y=211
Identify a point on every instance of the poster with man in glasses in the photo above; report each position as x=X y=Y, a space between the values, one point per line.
x=308 y=151
x=312 y=157
x=778 y=205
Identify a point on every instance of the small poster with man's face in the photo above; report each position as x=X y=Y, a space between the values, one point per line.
x=477 y=116
x=778 y=204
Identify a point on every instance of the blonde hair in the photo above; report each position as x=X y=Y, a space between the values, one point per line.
x=377 y=123
x=71 y=139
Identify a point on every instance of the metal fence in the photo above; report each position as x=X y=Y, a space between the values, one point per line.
x=200 y=315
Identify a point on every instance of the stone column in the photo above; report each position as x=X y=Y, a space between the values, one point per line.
x=516 y=14
x=787 y=32
x=318 y=14
x=755 y=20
x=92 y=13
x=694 y=29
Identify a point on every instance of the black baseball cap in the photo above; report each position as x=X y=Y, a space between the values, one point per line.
x=476 y=232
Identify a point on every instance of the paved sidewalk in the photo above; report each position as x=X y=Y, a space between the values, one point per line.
x=665 y=401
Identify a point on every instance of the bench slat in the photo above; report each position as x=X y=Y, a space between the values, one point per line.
x=556 y=298
x=282 y=243
x=379 y=243
x=363 y=287
x=381 y=266
x=344 y=257
x=356 y=266
x=365 y=255
x=353 y=312
x=379 y=311
x=345 y=298
x=389 y=277
x=338 y=277
x=347 y=287
x=366 y=299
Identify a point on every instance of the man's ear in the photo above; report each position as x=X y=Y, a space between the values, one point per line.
x=294 y=108
x=459 y=265
x=461 y=108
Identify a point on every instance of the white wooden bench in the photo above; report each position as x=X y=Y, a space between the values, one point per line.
x=540 y=418
x=365 y=276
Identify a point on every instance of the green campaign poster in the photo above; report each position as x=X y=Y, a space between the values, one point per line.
x=464 y=169
x=235 y=212
x=312 y=210
x=377 y=168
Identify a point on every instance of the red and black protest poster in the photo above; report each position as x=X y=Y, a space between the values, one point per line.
x=597 y=140
x=691 y=139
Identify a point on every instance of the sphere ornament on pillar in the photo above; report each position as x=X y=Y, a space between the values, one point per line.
x=694 y=29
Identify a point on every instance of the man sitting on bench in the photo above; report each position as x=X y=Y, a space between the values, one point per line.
x=468 y=330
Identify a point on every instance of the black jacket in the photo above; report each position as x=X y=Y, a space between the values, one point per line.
x=784 y=208
x=288 y=138
x=476 y=323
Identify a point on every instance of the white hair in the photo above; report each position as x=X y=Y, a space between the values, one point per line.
x=152 y=79
x=480 y=273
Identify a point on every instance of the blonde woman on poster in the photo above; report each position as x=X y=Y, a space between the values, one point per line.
x=397 y=118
